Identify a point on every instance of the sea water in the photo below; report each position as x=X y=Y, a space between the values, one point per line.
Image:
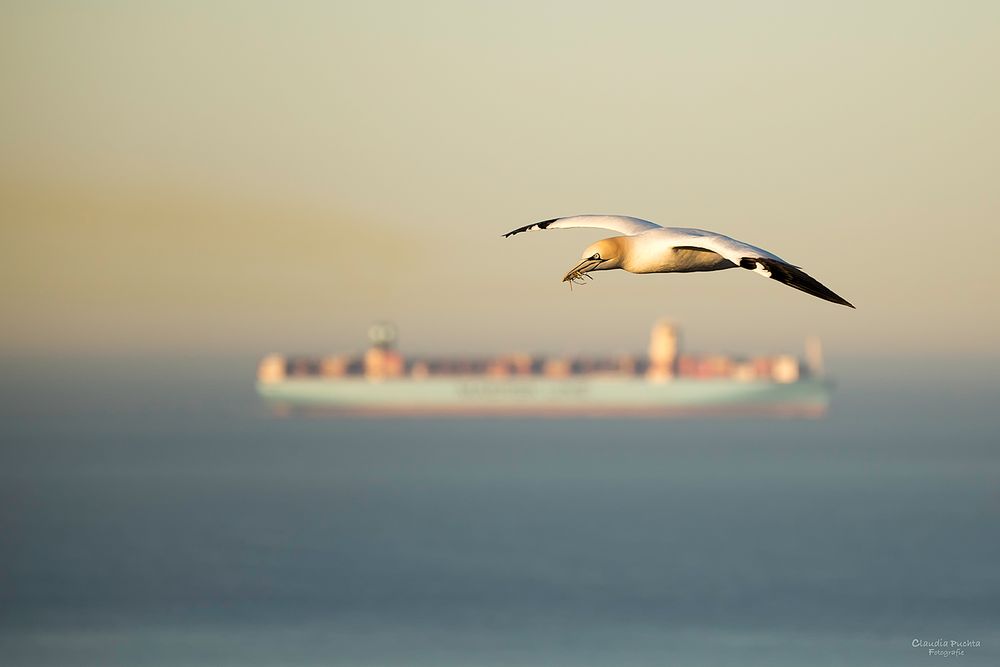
x=154 y=513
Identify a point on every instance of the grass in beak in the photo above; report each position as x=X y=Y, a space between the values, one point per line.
x=577 y=277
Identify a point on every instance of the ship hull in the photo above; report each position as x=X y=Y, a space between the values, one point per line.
x=546 y=397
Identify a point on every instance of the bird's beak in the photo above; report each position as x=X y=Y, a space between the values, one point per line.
x=577 y=272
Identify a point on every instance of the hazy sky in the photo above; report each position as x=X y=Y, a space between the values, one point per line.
x=245 y=177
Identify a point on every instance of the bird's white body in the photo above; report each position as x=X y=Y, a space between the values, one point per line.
x=656 y=251
x=646 y=247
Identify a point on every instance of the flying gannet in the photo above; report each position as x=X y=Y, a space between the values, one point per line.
x=646 y=247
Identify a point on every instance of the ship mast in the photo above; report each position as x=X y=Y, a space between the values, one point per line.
x=814 y=356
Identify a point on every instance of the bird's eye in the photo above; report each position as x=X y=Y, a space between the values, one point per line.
x=597 y=255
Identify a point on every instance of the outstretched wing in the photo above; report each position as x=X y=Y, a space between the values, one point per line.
x=622 y=224
x=729 y=248
x=759 y=261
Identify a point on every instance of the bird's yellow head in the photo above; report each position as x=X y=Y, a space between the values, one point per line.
x=601 y=256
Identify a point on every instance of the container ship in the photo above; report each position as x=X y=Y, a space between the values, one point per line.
x=664 y=382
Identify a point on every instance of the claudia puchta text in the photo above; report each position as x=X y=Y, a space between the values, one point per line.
x=945 y=647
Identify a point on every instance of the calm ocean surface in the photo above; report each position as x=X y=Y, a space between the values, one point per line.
x=153 y=514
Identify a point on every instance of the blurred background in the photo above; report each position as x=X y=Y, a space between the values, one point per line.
x=187 y=186
x=232 y=177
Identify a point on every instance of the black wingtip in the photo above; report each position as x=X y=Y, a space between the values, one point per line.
x=838 y=300
x=827 y=295
x=795 y=277
x=541 y=225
